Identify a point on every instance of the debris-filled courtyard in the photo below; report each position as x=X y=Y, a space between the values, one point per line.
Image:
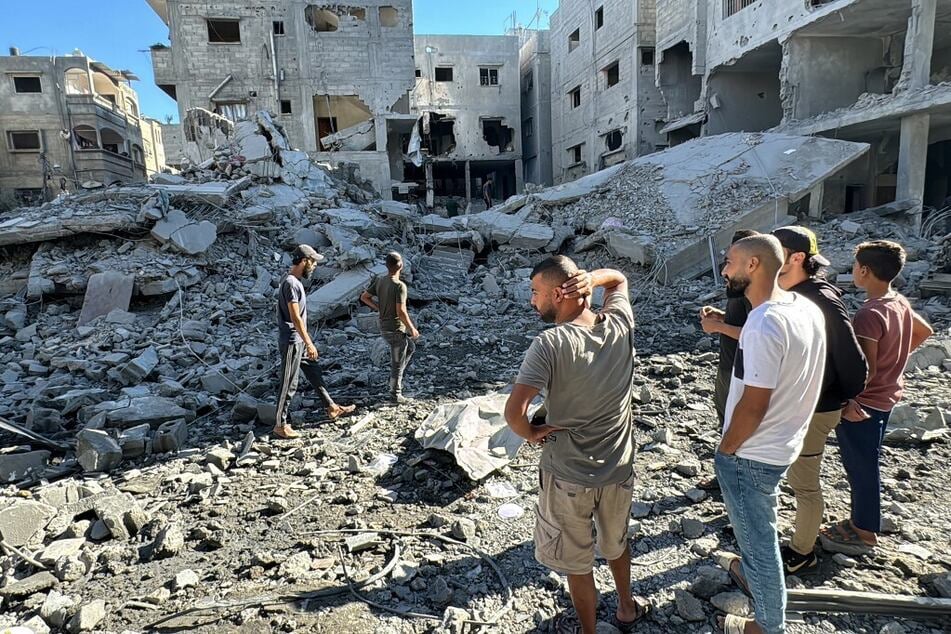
x=143 y=489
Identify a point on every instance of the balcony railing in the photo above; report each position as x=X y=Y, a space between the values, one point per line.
x=734 y=6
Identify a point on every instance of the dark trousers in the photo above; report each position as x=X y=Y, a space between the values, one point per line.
x=402 y=348
x=860 y=446
x=721 y=390
x=293 y=362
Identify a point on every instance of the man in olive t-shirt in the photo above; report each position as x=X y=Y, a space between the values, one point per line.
x=584 y=368
x=396 y=326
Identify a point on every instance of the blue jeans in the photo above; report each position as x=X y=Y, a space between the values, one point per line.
x=751 y=493
x=860 y=446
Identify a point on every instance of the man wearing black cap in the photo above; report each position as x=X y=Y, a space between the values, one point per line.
x=844 y=378
x=296 y=347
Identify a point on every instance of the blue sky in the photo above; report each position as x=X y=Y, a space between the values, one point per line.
x=119 y=32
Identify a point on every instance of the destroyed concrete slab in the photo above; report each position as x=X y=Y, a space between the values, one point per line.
x=474 y=432
x=336 y=296
x=24 y=227
x=584 y=186
x=512 y=230
x=30 y=585
x=60 y=548
x=135 y=371
x=21 y=520
x=186 y=235
x=357 y=220
x=151 y=410
x=356 y=138
x=106 y=292
x=18 y=466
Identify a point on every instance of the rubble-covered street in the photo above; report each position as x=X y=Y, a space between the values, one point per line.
x=142 y=489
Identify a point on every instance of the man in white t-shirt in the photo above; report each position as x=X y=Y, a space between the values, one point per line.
x=777 y=377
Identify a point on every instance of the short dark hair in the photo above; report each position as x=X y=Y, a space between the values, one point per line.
x=393 y=260
x=884 y=258
x=739 y=234
x=811 y=267
x=556 y=269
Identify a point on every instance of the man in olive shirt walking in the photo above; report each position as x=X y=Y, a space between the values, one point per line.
x=584 y=367
x=396 y=326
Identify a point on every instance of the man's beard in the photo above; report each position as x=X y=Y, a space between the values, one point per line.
x=736 y=288
x=549 y=316
x=308 y=272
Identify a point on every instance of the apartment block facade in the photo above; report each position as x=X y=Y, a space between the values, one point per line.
x=66 y=120
x=535 y=65
x=605 y=106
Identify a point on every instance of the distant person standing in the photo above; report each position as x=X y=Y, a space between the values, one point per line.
x=777 y=377
x=888 y=330
x=296 y=347
x=396 y=326
x=452 y=207
x=488 y=190
x=727 y=324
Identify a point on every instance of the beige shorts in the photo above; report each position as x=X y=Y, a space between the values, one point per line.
x=568 y=515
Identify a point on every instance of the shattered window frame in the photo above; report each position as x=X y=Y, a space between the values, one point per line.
x=488 y=76
x=12 y=143
x=213 y=31
x=23 y=87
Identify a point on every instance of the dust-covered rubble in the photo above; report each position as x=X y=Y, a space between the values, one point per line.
x=142 y=491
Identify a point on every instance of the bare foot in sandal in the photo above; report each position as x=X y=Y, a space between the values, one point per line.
x=845 y=538
x=336 y=411
x=627 y=616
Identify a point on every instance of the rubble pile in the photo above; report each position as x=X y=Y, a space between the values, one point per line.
x=140 y=487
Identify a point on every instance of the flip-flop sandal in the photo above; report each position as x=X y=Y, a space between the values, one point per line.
x=285 y=433
x=733 y=624
x=565 y=623
x=726 y=563
x=644 y=608
x=710 y=484
x=842 y=538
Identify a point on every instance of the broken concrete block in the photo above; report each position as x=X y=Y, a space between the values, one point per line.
x=216 y=382
x=334 y=297
x=22 y=520
x=513 y=230
x=56 y=608
x=185 y=579
x=220 y=457
x=31 y=585
x=87 y=617
x=170 y=436
x=311 y=238
x=380 y=353
x=151 y=410
x=135 y=441
x=357 y=220
x=136 y=370
x=245 y=408
x=59 y=549
x=106 y=292
x=362 y=541
x=637 y=249
x=475 y=432
x=850 y=227
x=267 y=413
x=168 y=543
x=18 y=466
x=97 y=451
x=121 y=515
x=185 y=234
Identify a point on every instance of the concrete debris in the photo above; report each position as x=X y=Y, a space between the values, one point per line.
x=19 y=466
x=185 y=234
x=474 y=432
x=87 y=617
x=97 y=451
x=23 y=520
x=31 y=585
x=106 y=292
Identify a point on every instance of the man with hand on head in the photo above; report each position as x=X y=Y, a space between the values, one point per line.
x=584 y=368
x=777 y=377
x=295 y=345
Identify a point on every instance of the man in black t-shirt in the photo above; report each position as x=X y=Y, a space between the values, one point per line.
x=297 y=350
x=727 y=324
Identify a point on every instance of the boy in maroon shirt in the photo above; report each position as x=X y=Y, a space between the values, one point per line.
x=888 y=331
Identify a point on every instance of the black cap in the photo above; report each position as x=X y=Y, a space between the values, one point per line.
x=801 y=240
x=307 y=251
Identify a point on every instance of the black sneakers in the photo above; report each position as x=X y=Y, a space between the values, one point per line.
x=796 y=564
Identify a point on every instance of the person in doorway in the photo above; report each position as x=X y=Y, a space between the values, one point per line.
x=727 y=324
x=452 y=207
x=777 y=377
x=888 y=330
x=488 y=189
x=843 y=379
x=387 y=295
x=297 y=350
x=584 y=367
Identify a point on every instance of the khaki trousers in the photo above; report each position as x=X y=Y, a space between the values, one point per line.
x=804 y=480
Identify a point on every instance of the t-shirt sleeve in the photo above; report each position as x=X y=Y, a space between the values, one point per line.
x=619 y=304
x=763 y=349
x=868 y=324
x=401 y=294
x=291 y=293
x=537 y=366
x=371 y=289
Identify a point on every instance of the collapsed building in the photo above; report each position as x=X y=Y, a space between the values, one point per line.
x=871 y=71
x=467 y=98
x=334 y=74
x=67 y=120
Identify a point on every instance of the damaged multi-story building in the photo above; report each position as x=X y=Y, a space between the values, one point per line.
x=875 y=71
x=68 y=120
x=469 y=112
x=534 y=58
x=337 y=75
x=605 y=105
